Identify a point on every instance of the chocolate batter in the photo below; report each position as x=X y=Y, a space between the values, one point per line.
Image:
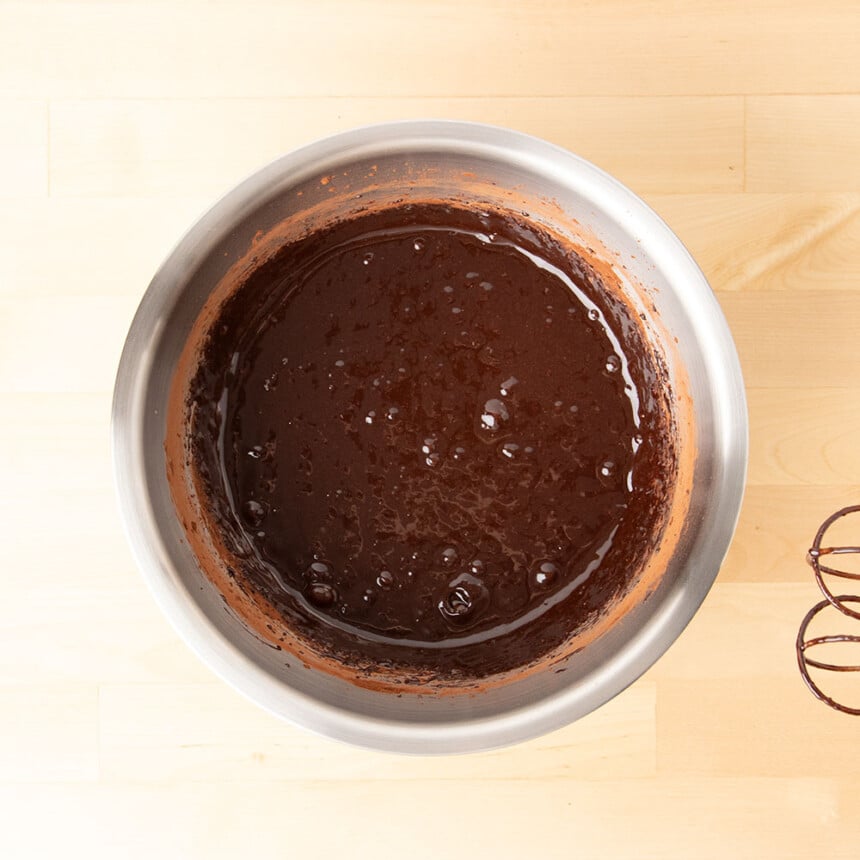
x=434 y=439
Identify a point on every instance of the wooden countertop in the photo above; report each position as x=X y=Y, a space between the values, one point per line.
x=738 y=121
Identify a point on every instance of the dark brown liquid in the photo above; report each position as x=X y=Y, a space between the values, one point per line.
x=435 y=440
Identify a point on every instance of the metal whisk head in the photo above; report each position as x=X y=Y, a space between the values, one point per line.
x=822 y=557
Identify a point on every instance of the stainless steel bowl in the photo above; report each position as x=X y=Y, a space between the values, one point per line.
x=411 y=158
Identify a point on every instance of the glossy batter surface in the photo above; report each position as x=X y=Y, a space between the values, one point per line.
x=433 y=439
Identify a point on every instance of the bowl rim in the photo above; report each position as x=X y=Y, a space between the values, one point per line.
x=249 y=678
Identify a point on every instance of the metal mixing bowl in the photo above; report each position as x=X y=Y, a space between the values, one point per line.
x=412 y=158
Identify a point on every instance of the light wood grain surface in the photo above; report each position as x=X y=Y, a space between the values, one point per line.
x=121 y=121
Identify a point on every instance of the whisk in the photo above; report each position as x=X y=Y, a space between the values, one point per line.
x=817 y=555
